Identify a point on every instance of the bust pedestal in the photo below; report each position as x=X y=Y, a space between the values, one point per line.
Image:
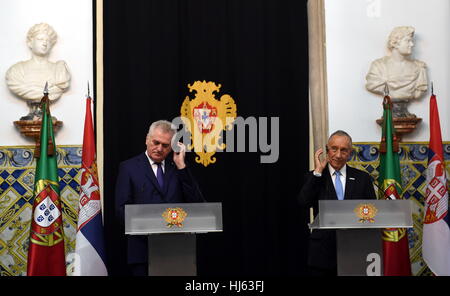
x=403 y=125
x=31 y=128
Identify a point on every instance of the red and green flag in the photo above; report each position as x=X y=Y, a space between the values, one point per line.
x=395 y=240
x=46 y=256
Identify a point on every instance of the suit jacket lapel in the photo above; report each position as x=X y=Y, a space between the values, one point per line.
x=329 y=184
x=349 y=183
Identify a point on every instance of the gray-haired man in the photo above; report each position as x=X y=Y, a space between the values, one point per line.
x=153 y=177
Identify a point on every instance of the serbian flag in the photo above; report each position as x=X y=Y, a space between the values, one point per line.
x=46 y=255
x=395 y=240
x=436 y=229
x=90 y=247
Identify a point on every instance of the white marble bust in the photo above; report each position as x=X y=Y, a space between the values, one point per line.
x=406 y=78
x=27 y=78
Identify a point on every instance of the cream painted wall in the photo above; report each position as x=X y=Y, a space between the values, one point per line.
x=73 y=22
x=356 y=34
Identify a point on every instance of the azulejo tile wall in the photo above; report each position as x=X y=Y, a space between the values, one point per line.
x=413 y=165
x=17 y=168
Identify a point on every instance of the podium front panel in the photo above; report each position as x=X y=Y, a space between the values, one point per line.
x=143 y=219
x=172 y=254
x=343 y=214
x=359 y=252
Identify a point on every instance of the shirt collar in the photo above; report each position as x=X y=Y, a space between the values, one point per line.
x=152 y=162
x=343 y=170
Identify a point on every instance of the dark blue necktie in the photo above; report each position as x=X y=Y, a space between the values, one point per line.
x=160 y=175
x=338 y=186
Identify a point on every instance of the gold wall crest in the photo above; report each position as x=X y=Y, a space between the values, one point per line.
x=205 y=118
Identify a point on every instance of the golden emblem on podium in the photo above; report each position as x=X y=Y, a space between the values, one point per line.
x=206 y=118
x=174 y=217
x=366 y=213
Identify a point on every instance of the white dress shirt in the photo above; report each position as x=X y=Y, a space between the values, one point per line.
x=343 y=171
x=154 y=165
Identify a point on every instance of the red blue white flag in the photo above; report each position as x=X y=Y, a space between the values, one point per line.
x=436 y=226
x=90 y=248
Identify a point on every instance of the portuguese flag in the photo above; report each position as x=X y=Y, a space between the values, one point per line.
x=46 y=255
x=395 y=240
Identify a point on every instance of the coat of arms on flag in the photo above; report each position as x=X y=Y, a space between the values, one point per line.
x=436 y=203
x=205 y=118
x=47 y=216
x=89 y=195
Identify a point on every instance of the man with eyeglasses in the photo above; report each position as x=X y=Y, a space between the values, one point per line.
x=331 y=179
x=152 y=177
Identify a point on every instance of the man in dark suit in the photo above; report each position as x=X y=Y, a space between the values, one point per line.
x=151 y=177
x=331 y=179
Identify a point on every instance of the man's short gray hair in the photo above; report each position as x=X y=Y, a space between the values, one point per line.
x=342 y=134
x=164 y=125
